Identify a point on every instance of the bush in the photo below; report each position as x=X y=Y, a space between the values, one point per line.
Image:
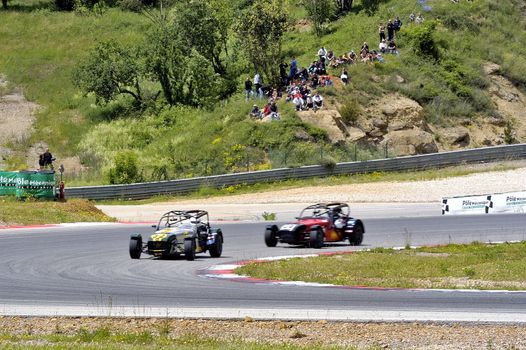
x=65 y=5
x=125 y=169
x=350 y=111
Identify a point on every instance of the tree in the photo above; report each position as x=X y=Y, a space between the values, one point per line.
x=319 y=12
x=186 y=76
x=344 y=5
x=260 y=29
x=108 y=71
x=4 y=4
x=370 y=6
x=200 y=29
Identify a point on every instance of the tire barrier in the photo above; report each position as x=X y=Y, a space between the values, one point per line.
x=510 y=202
x=407 y=163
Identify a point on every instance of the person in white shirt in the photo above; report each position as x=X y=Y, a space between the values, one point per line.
x=344 y=77
x=322 y=53
x=383 y=46
x=318 y=101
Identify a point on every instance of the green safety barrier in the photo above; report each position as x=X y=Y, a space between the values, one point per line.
x=22 y=184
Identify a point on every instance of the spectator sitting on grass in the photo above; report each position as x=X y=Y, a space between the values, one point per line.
x=274 y=115
x=380 y=57
x=318 y=101
x=383 y=46
x=344 y=77
x=304 y=75
x=412 y=17
x=392 y=48
x=256 y=112
x=419 y=19
x=266 y=110
x=313 y=67
x=326 y=80
x=309 y=103
x=364 y=50
x=352 y=56
x=330 y=57
x=315 y=81
x=298 y=101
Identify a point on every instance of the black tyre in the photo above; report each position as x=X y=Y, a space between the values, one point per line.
x=270 y=238
x=357 y=236
x=135 y=247
x=316 y=238
x=189 y=249
x=217 y=248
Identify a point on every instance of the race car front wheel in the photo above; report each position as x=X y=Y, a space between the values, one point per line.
x=357 y=236
x=217 y=248
x=316 y=238
x=270 y=238
x=135 y=247
x=189 y=249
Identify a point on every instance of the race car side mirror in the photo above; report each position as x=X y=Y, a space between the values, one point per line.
x=154 y=226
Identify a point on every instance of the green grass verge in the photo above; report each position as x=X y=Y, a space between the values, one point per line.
x=106 y=339
x=472 y=266
x=33 y=212
x=431 y=174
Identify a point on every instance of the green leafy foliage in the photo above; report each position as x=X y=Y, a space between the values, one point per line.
x=125 y=169
x=422 y=39
x=108 y=71
x=350 y=111
x=319 y=12
x=260 y=29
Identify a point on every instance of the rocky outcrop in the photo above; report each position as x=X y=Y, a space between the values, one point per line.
x=397 y=122
x=409 y=142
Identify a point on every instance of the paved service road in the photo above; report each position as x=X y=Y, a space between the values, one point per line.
x=90 y=267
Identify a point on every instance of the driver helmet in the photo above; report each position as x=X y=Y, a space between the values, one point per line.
x=194 y=220
x=339 y=224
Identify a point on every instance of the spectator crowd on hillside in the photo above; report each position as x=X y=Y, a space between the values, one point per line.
x=299 y=84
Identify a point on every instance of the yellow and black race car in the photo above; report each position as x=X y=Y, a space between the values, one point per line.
x=178 y=233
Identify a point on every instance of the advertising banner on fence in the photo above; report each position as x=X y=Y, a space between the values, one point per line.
x=39 y=184
x=7 y=183
x=512 y=202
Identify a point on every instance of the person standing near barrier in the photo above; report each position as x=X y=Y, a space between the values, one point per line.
x=48 y=160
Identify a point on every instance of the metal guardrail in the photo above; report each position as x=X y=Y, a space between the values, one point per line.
x=183 y=186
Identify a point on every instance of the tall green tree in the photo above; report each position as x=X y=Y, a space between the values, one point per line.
x=260 y=29
x=200 y=29
x=319 y=12
x=110 y=70
x=344 y=5
x=4 y=4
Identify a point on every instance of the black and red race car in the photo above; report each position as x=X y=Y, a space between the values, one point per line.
x=317 y=224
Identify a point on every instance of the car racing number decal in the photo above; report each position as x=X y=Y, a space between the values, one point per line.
x=288 y=227
x=159 y=237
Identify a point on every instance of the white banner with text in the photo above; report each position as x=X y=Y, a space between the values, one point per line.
x=511 y=202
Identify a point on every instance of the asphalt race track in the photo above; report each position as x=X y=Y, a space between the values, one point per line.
x=88 y=268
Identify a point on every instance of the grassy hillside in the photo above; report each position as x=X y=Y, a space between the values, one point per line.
x=41 y=47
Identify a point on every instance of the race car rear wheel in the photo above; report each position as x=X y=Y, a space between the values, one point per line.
x=217 y=248
x=357 y=236
x=316 y=238
x=270 y=238
x=135 y=247
x=189 y=249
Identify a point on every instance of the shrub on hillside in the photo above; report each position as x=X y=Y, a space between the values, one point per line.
x=125 y=169
x=350 y=111
x=422 y=39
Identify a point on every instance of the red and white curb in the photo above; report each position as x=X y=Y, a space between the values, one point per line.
x=227 y=272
